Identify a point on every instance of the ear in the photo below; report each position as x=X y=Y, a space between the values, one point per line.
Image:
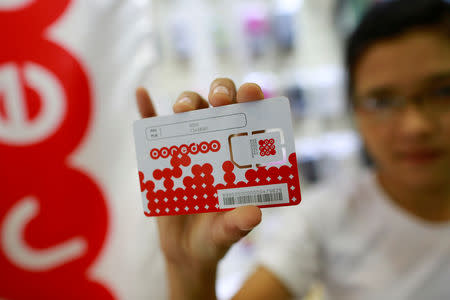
x=34 y=17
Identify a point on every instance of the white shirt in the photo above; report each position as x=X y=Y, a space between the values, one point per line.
x=359 y=245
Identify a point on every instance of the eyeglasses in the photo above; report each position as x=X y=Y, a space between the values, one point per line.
x=434 y=102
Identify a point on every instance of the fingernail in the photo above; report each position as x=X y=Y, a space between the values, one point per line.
x=221 y=89
x=186 y=101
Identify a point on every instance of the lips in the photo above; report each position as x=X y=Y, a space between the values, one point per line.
x=421 y=156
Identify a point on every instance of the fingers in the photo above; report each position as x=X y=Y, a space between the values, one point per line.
x=249 y=92
x=188 y=101
x=144 y=103
x=222 y=91
x=234 y=225
x=171 y=232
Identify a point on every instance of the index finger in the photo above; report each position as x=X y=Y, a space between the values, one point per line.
x=249 y=92
x=144 y=103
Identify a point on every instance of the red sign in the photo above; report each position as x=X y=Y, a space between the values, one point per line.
x=53 y=217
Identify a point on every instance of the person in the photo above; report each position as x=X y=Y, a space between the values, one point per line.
x=385 y=236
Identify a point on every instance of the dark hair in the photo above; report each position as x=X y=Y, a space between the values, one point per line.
x=389 y=19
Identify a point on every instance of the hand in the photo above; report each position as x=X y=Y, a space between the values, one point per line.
x=194 y=244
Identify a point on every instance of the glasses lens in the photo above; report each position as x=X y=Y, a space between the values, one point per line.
x=379 y=105
x=438 y=99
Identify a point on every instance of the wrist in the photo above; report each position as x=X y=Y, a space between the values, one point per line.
x=191 y=283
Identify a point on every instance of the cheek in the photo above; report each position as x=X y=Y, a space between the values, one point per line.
x=377 y=139
x=446 y=130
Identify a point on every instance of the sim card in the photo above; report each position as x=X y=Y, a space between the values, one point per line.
x=218 y=158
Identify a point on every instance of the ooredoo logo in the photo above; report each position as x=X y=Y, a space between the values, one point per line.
x=267 y=147
x=194 y=148
x=53 y=217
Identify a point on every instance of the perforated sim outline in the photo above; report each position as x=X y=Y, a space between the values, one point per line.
x=255 y=132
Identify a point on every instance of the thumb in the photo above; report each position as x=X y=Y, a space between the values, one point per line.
x=144 y=103
x=235 y=224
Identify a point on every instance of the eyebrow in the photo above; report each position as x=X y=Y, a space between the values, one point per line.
x=388 y=90
x=437 y=77
x=377 y=91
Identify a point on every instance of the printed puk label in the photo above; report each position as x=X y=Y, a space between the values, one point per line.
x=217 y=159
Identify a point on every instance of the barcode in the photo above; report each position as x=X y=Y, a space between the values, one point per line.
x=258 y=195
x=259 y=198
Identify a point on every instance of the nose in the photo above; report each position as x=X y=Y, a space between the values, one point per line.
x=415 y=123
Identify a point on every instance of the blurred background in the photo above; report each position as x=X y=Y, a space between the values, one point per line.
x=70 y=214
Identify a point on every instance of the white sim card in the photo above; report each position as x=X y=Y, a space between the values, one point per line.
x=218 y=158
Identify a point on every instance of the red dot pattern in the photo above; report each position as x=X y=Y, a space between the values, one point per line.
x=199 y=193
